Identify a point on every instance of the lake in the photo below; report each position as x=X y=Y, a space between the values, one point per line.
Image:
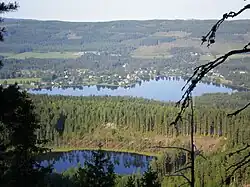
x=124 y=163
x=163 y=90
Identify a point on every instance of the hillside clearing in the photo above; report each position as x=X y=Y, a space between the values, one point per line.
x=48 y=55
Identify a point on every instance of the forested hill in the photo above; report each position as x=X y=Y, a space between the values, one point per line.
x=123 y=122
x=115 y=36
x=110 y=52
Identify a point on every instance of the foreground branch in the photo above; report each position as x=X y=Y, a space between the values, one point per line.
x=4 y=8
x=8 y=7
x=238 y=111
x=210 y=37
x=239 y=151
x=183 y=184
x=239 y=163
x=181 y=175
x=199 y=73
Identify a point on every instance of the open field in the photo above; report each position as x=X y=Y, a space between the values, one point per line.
x=20 y=80
x=159 y=51
x=163 y=50
x=211 y=57
x=136 y=142
x=142 y=56
x=177 y=34
x=49 y=55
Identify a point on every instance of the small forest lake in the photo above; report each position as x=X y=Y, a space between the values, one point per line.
x=162 y=90
x=124 y=163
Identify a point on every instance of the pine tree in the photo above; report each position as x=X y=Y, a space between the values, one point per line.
x=97 y=172
x=19 y=144
x=150 y=178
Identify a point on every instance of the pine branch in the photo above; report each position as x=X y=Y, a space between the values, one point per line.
x=8 y=7
x=4 y=8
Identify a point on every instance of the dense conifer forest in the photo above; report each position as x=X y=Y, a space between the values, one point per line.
x=83 y=115
x=131 y=123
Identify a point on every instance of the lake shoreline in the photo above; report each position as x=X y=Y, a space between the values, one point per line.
x=69 y=149
x=148 y=90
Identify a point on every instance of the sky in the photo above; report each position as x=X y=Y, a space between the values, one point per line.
x=106 y=10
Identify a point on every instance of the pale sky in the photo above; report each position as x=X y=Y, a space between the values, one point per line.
x=106 y=10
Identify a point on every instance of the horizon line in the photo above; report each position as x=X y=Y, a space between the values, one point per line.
x=116 y=20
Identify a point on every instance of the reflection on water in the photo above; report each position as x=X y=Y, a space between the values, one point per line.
x=168 y=89
x=125 y=163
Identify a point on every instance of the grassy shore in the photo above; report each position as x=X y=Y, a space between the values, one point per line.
x=133 y=142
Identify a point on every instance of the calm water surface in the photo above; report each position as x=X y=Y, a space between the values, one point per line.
x=163 y=90
x=125 y=163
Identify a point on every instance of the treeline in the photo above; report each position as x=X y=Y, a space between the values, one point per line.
x=29 y=35
x=82 y=115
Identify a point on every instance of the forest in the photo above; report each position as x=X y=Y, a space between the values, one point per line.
x=135 y=124
x=33 y=126
x=122 y=120
x=85 y=115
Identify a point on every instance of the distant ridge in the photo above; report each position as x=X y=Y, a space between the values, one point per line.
x=107 y=21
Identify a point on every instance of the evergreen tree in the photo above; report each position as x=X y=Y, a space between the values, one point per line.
x=18 y=140
x=150 y=178
x=131 y=182
x=97 y=172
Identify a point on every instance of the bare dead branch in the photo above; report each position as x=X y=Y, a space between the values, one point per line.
x=239 y=163
x=238 y=167
x=199 y=73
x=185 y=168
x=202 y=156
x=239 y=151
x=238 y=111
x=210 y=37
x=181 y=175
x=183 y=184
